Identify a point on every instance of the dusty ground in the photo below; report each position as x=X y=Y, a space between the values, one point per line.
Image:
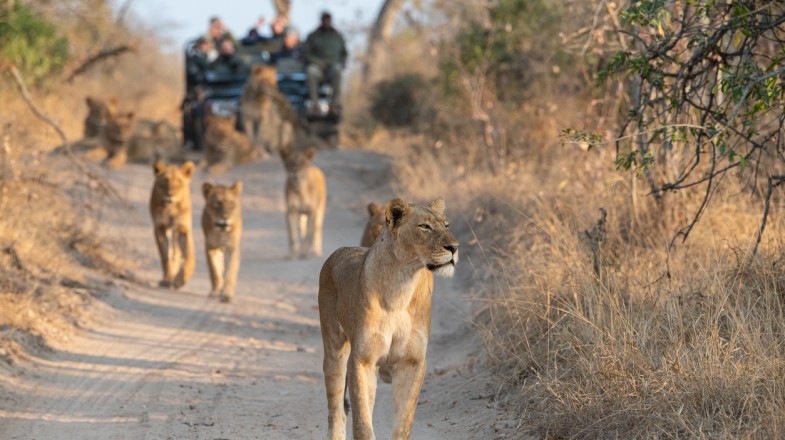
x=159 y=364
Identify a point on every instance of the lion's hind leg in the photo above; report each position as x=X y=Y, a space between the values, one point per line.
x=336 y=354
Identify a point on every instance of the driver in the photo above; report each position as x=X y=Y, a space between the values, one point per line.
x=325 y=52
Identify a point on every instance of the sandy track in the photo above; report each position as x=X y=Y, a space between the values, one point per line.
x=160 y=364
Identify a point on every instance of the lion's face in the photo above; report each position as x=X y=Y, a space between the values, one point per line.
x=262 y=74
x=296 y=163
x=173 y=182
x=222 y=204
x=99 y=112
x=422 y=232
x=118 y=128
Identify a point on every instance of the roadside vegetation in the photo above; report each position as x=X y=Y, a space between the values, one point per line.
x=52 y=263
x=613 y=169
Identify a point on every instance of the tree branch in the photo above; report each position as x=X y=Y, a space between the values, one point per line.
x=100 y=56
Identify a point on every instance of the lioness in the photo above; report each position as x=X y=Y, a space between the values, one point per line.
x=99 y=112
x=222 y=222
x=152 y=140
x=224 y=145
x=114 y=139
x=375 y=311
x=306 y=198
x=374 y=226
x=170 y=208
x=267 y=116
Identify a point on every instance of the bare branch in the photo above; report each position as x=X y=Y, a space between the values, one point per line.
x=100 y=56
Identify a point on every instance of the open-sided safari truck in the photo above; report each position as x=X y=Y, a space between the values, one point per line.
x=218 y=91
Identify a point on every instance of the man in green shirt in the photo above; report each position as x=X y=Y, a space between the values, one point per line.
x=325 y=53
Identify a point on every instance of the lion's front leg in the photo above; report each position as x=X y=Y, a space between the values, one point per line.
x=407 y=380
x=293 y=225
x=186 y=251
x=162 y=241
x=362 y=392
x=215 y=262
x=233 y=255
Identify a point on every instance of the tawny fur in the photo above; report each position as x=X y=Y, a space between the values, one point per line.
x=153 y=140
x=222 y=223
x=224 y=146
x=268 y=120
x=306 y=200
x=375 y=312
x=374 y=226
x=170 y=208
x=99 y=112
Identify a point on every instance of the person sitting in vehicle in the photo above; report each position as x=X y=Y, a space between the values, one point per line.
x=325 y=52
x=197 y=62
x=277 y=28
x=227 y=61
x=217 y=32
x=291 y=47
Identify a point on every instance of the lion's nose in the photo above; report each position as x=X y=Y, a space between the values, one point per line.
x=452 y=247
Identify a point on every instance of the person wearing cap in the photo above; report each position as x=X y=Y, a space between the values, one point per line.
x=326 y=54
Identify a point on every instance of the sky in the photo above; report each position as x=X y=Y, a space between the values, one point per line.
x=188 y=19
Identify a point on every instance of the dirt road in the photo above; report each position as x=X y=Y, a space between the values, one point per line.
x=161 y=364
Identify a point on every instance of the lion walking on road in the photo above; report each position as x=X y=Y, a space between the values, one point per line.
x=375 y=312
x=170 y=208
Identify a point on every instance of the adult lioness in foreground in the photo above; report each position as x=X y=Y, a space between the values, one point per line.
x=375 y=311
x=170 y=207
x=306 y=199
x=222 y=223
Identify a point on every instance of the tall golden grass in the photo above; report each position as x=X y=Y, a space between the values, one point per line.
x=665 y=339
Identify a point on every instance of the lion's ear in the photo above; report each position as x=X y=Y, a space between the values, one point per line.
x=159 y=167
x=374 y=209
x=206 y=188
x=310 y=153
x=438 y=206
x=187 y=168
x=237 y=188
x=397 y=209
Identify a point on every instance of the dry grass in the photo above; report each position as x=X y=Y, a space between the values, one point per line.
x=664 y=342
x=52 y=262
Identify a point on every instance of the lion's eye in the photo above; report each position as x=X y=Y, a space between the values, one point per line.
x=426 y=227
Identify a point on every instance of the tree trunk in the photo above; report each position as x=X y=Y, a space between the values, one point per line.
x=380 y=35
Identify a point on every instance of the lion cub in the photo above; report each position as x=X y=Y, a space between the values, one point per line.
x=222 y=222
x=306 y=198
x=375 y=311
x=170 y=208
x=374 y=226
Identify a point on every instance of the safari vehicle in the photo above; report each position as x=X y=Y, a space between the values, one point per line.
x=216 y=91
x=293 y=83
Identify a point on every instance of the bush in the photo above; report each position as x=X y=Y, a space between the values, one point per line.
x=30 y=43
x=399 y=102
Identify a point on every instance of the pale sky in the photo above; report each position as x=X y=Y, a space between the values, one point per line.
x=188 y=19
